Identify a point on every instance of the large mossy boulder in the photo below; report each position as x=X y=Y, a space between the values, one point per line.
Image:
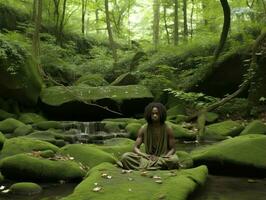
x=88 y=155
x=22 y=130
x=19 y=76
x=254 y=127
x=224 y=129
x=25 y=188
x=181 y=133
x=132 y=129
x=113 y=184
x=31 y=118
x=45 y=125
x=117 y=146
x=4 y=115
x=25 y=145
x=241 y=155
x=94 y=103
x=30 y=168
x=2 y=140
x=9 y=125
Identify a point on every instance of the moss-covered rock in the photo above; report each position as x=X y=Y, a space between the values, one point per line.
x=2 y=178
x=45 y=125
x=254 y=127
x=181 y=133
x=9 y=125
x=178 y=109
x=94 y=80
x=225 y=128
x=138 y=185
x=19 y=76
x=114 y=127
x=2 y=140
x=117 y=146
x=88 y=155
x=132 y=129
x=25 y=145
x=25 y=188
x=49 y=136
x=31 y=118
x=29 y=168
x=5 y=115
x=23 y=130
x=72 y=103
x=211 y=117
x=241 y=155
x=185 y=159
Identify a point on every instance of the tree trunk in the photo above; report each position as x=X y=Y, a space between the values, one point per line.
x=36 y=36
x=61 y=27
x=33 y=17
x=109 y=29
x=83 y=14
x=156 y=22
x=185 y=19
x=97 y=17
x=56 y=16
x=191 y=19
x=175 y=22
x=165 y=25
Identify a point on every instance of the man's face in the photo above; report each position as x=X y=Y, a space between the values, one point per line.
x=155 y=114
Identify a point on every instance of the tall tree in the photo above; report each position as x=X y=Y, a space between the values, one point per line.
x=109 y=29
x=61 y=26
x=97 y=16
x=36 y=34
x=83 y=14
x=34 y=10
x=191 y=18
x=185 y=35
x=156 y=22
x=175 y=35
x=165 y=23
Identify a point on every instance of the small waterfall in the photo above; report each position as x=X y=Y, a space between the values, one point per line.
x=92 y=132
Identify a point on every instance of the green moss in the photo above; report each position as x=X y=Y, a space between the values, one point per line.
x=23 y=130
x=25 y=145
x=25 y=188
x=2 y=178
x=88 y=155
x=175 y=184
x=5 y=115
x=246 y=150
x=31 y=118
x=19 y=76
x=45 y=125
x=211 y=117
x=185 y=159
x=47 y=154
x=225 y=128
x=94 y=80
x=27 y=167
x=254 y=127
x=132 y=129
x=178 y=109
x=58 y=95
x=112 y=127
x=117 y=146
x=2 y=140
x=181 y=133
x=9 y=125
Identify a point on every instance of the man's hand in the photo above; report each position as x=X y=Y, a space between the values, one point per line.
x=153 y=157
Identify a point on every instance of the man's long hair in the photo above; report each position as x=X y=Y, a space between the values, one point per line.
x=161 y=109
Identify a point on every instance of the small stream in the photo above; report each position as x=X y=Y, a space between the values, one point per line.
x=216 y=187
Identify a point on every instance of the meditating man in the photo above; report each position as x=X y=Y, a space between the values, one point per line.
x=159 y=142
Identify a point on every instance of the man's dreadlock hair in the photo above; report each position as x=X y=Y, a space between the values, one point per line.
x=161 y=109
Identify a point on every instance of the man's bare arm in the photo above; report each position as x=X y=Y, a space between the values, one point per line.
x=171 y=142
x=139 y=140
